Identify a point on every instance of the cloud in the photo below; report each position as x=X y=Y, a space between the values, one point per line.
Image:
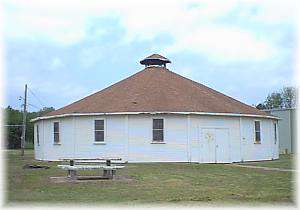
x=94 y=43
x=274 y=12
x=56 y=63
x=192 y=24
x=225 y=43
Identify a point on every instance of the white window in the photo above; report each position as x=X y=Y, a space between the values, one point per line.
x=275 y=133
x=99 y=130
x=56 y=132
x=37 y=135
x=158 y=130
x=257 y=132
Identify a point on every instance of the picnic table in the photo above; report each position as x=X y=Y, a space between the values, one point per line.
x=108 y=164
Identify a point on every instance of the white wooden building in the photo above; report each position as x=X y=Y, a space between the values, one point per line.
x=157 y=115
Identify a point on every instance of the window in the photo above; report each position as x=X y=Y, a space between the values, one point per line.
x=275 y=133
x=257 y=131
x=37 y=135
x=158 y=130
x=99 y=130
x=56 y=132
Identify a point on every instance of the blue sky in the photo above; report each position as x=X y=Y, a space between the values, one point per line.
x=65 y=50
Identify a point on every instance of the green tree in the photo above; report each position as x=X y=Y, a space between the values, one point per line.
x=288 y=97
x=274 y=100
x=261 y=106
x=285 y=98
x=13 y=133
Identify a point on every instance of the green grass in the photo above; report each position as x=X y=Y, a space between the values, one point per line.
x=155 y=183
x=284 y=162
x=29 y=145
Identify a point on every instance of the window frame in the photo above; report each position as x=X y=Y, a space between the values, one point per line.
x=37 y=135
x=255 y=131
x=104 y=131
x=56 y=132
x=275 y=127
x=163 y=131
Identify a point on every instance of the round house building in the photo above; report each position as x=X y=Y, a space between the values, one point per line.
x=157 y=115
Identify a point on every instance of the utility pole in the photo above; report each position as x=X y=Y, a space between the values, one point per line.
x=24 y=122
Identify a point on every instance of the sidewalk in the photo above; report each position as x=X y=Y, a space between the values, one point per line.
x=264 y=168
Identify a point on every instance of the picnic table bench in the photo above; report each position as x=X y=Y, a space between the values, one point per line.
x=105 y=163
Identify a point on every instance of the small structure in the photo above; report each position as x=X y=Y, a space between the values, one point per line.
x=287 y=129
x=109 y=169
x=157 y=115
x=155 y=60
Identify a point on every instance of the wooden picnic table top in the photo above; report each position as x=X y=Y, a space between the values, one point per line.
x=99 y=158
x=89 y=167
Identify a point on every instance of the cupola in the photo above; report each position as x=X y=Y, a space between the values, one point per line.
x=155 y=60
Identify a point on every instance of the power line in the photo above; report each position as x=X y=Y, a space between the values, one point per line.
x=39 y=100
x=32 y=105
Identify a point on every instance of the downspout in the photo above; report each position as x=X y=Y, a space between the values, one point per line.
x=291 y=130
x=74 y=136
x=271 y=138
x=188 y=138
x=127 y=137
x=43 y=146
x=241 y=139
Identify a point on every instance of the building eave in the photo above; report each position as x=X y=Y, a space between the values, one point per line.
x=278 y=109
x=153 y=113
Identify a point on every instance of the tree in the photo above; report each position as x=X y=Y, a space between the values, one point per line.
x=261 y=106
x=274 y=100
x=14 y=117
x=289 y=97
x=285 y=98
x=13 y=133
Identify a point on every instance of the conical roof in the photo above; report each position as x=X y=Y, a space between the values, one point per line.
x=157 y=89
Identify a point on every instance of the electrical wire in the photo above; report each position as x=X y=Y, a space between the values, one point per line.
x=32 y=105
x=38 y=99
x=39 y=108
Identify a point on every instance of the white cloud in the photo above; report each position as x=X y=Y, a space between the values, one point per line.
x=191 y=23
x=275 y=12
x=56 y=63
x=225 y=43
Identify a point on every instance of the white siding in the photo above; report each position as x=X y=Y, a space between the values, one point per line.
x=264 y=150
x=130 y=137
x=141 y=148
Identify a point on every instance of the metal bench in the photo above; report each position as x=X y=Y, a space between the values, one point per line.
x=109 y=168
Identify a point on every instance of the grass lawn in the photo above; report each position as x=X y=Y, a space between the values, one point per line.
x=154 y=183
x=285 y=162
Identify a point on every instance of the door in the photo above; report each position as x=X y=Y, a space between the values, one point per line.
x=222 y=146
x=214 y=145
x=208 y=147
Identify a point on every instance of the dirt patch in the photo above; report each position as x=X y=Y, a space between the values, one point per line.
x=64 y=179
x=35 y=166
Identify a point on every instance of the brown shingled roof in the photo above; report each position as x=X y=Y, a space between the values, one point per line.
x=156 y=89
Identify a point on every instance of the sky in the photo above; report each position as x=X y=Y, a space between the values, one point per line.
x=67 y=49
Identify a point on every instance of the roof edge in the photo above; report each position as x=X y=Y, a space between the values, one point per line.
x=160 y=112
x=278 y=109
